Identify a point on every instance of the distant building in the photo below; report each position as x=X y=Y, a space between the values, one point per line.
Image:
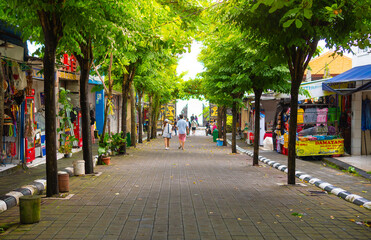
x=327 y=65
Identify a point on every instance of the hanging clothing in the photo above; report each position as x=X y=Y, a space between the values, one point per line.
x=322 y=115
x=366 y=115
x=300 y=116
x=310 y=115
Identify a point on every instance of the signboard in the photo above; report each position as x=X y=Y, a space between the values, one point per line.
x=320 y=147
x=68 y=75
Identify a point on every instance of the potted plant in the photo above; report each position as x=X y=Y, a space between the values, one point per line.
x=65 y=125
x=117 y=143
x=104 y=147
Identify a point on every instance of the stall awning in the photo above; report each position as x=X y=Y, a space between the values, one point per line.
x=361 y=73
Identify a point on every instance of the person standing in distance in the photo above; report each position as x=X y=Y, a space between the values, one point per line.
x=182 y=131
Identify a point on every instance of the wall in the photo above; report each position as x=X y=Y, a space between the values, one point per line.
x=362 y=57
x=356 y=123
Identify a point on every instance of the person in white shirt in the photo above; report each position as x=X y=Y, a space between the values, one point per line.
x=166 y=133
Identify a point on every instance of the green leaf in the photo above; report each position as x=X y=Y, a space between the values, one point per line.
x=298 y=23
x=272 y=9
x=308 y=13
x=288 y=23
x=97 y=88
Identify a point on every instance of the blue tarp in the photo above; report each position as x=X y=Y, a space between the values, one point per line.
x=361 y=73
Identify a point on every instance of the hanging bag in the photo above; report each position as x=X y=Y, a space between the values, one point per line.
x=19 y=77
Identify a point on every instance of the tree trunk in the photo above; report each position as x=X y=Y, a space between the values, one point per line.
x=291 y=161
x=220 y=121
x=124 y=112
x=133 y=117
x=85 y=60
x=224 y=117
x=140 y=120
x=149 y=127
x=298 y=60
x=2 y=78
x=155 y=113
x=234 y=125
x=258 y=93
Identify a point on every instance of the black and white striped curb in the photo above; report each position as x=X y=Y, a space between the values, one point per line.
x=11 y=199
x=353 y=198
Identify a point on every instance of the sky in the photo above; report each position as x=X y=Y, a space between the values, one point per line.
x=188 y=63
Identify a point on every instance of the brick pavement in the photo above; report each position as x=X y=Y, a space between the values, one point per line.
x=319 y=169
x=202 y=193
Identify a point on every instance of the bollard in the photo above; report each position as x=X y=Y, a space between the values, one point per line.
x=79 y=167
x=29 y=209
x=64 y=182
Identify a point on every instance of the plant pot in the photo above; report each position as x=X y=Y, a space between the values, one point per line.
x=106 y=160
x=68 y=155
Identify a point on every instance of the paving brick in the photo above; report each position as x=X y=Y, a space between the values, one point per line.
x=200 y=193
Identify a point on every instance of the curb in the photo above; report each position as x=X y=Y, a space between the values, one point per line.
x=37 y=187
x=345 y=166
x=353 y=198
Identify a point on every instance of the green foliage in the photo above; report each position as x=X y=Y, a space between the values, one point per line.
x=117 y=143
x=66 y=125
x=352 y=170
x=104 y=145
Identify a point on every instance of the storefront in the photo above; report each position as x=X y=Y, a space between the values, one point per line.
x=323 y=123
x=354 y=86
x=15 y=86
x=267 y=115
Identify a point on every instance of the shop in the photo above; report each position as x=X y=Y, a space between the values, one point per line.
x=15 y=86
x=354 y=86
x=323 y=123
x=267 y=115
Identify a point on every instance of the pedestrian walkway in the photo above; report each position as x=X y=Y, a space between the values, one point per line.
x=319 y=169
x=203 y=192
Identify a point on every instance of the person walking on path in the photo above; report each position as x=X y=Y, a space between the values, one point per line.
x=182 y=129
x=188 y=125
x=194 y=126
x=166 y=133
x=174 y=127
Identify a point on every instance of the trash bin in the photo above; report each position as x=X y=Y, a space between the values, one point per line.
x=215 y=134
x=29 y=209
x=128 y=139
x=219 y=142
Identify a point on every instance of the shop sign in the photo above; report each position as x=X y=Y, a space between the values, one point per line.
x=214 y=111
x=314 y=89
x=36 y=74
x=320 y=147
x=68 y=75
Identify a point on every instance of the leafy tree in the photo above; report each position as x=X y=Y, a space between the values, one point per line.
x=292 y=29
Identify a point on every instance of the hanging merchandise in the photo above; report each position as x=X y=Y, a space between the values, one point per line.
x=19 y=77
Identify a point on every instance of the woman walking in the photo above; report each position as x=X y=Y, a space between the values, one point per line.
x=166 y=133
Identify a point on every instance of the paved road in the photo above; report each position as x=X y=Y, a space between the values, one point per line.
x=203 y=192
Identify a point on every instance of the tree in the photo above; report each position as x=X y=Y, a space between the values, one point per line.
x=293 y=29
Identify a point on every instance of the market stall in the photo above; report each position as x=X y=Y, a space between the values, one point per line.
x=319 y=127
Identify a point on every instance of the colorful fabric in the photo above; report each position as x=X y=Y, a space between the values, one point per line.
x=300 y=116
x=310 y=115
x=322 y=115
